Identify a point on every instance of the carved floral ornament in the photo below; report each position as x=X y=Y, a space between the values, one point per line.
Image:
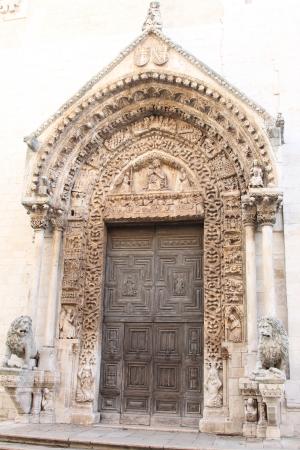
x=151 y=142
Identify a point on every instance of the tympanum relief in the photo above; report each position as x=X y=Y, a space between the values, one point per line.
x=154 y=172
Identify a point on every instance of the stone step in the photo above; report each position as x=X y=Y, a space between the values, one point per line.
x=47 y=437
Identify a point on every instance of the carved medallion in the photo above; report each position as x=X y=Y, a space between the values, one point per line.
x=142 y=56
x=160 y=55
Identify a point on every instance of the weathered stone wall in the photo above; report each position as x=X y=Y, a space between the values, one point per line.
x=48 y=54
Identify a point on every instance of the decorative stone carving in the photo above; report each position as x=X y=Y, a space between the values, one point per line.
x=157 y=53
x=9 y=6
x=272 y=357
x=85 y=385
x=256 y=175
x=153 y=19
x=268 y=204
x=47 y=400
x=251 y=412
x=154 y=205
x=234 y=324
x=20 y=342
x=248 y=210
x=67 y=328
x=213 y=385
x=154 y=172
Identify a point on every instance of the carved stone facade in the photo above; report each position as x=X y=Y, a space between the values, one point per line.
x=152 y=145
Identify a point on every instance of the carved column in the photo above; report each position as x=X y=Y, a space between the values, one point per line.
x=47 y=355
x=39 y=222
x=249 y=222
x=267 y=206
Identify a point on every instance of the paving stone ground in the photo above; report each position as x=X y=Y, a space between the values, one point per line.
x=45 y=437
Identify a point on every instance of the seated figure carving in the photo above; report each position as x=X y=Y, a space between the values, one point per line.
x=272 y=356
x=20 y=342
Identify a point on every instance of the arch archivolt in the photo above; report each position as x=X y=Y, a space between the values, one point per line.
x=97 y=165
x=94 y=123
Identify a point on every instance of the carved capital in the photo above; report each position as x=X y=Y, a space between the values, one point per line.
x=267 y=207
x=248 y=210
x=39 y=216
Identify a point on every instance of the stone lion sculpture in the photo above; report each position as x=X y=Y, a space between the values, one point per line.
x=20 y=341
x=272 y=356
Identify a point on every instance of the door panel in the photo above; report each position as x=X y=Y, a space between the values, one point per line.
x=152 y=355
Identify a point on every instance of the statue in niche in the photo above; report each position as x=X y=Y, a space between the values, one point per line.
x=85 y=384
x=256 y=175
x=250 y=410
x=47 y=400
x=67 y=329
x=213 y=385
x=157 y=178
x=129 y=289
x=185 y=184
x=234 y=327
x=179 y=285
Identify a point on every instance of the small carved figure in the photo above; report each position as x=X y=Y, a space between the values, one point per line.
x=234 y=327
x=184 y=181
x=250 y=410
x=213 y=385
x=47 y=400
x=20 y=341
x=179 y=285
x=67 y=329
x=153 y=19
x=129 y=287
x=256 y=175
x=272 y=356
x=85 y=384
x=157 y=178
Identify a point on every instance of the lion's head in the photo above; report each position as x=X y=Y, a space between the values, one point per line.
x=269 y=327
x=21 y=326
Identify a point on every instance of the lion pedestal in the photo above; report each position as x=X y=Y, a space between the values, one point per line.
x=31 y=389
x=263 y=390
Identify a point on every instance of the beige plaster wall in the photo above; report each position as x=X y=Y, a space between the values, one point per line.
x=60 y=44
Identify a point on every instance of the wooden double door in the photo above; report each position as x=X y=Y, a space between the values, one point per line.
x=152 y=346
